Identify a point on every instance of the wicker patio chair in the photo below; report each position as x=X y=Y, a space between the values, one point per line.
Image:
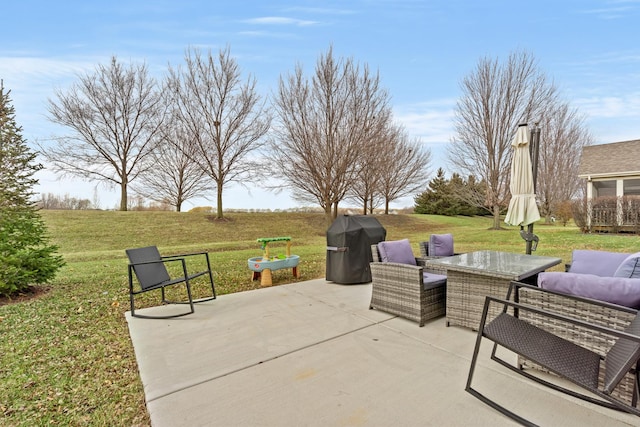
x=558 y=355
x=405 y=290
x=151 y=273
x=437 y=246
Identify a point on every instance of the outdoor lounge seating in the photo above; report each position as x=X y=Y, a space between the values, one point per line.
x=438 y=245
x=401 y=284
x=602 y=275
x=598 y=375
x=151 y=273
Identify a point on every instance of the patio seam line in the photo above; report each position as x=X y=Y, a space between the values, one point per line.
x=266 y=360
x=427 y=343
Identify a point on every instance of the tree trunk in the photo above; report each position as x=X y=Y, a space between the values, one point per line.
x=328 y=214
x=219 y=214
x=496 y=217
x=123 y=195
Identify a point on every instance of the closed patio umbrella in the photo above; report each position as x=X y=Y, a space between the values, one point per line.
x=522 y=207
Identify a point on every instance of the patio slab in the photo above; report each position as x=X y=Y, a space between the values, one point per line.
x=312 y=353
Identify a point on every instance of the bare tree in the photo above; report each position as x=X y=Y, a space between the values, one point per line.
x=324 y=125
x=364 y=190
x=174 y=177
x=404 y=167
x=114 y=115
x=563 y=135
x=495 y=98
x=224 y=116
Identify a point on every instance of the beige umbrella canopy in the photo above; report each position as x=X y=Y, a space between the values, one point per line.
x=522 y=207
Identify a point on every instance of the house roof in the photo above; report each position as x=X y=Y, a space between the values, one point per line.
x=614 y=159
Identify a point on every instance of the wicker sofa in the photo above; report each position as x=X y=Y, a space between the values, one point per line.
x=407 y=289
x=613 y=277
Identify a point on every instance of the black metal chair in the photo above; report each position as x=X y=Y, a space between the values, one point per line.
x=560 y=356
x=151 y=273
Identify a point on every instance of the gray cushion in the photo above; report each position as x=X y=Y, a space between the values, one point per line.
x=630 y=267
x=396 y=251
x=616 y=290
x=600 y=263
x=441 y=245
x=431 y=280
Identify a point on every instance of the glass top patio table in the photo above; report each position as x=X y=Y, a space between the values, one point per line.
x=475 y=275
x=507 y=265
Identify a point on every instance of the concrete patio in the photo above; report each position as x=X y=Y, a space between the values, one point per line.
x=313 y=354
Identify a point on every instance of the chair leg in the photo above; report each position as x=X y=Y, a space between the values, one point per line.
x=189 y=294
x=213 y=287
x=144 y=316
x=479 y=395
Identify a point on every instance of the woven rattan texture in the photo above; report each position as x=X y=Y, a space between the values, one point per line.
x=597 y=342
x=398 y=289
x=466 y=293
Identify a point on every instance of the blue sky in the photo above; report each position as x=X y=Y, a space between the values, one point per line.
x=422 y=49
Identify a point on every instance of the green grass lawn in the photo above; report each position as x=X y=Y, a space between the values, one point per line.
x=66 y=357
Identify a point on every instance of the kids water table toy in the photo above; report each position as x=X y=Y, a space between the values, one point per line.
x=264 y=265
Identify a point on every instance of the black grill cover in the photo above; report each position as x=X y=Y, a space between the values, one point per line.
x=349 y=240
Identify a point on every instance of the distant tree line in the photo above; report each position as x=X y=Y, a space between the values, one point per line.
x=203 y=126
x=450 y=196
x=65 y=202
x=328 y=136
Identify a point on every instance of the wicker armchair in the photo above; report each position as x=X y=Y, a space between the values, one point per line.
x=400 y=289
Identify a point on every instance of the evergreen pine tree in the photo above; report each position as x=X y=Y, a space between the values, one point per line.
x=26 y=256
x=432 y=201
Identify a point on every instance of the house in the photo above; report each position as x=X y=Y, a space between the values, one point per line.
x=612 y=171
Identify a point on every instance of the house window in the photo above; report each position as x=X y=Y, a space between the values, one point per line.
x=632 y=187
x=604 y=188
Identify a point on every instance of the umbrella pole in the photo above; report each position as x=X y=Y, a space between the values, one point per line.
x=534 y=151
x=528 y=241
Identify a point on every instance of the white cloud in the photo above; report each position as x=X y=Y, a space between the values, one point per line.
x=321 y=10
x=32 y=80
x=610 y=106
x=280 y=20
x=614 y=9
x=432 y=121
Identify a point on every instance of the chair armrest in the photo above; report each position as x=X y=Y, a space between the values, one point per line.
x=553 y=315
x=159 y=261
x=598 y=312
x=430 y=268
x=396 y=274
x=530 y=293
x=397 y=267
x=186 y=255
x=424 y=249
